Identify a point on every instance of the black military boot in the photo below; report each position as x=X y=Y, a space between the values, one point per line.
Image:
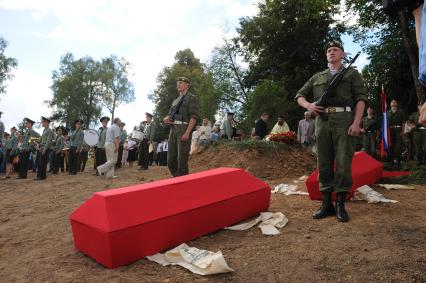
x=326 y=209
x=341 y=213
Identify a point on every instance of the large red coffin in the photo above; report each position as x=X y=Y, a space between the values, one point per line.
x=365 y=171
x=119 y=226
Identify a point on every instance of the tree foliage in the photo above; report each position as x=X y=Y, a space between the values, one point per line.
x=7 y=64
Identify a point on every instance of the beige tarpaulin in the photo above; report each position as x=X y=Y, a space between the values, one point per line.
x=269 y=223
x=371 y=196
x=197 y=261
x=395 y=187
x=288 y=190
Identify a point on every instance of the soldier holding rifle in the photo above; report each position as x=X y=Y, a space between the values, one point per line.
x=343 y=95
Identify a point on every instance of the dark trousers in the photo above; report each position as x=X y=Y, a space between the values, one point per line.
x=100 y=156
x=57 y=163
x=144 y=154
x=73 y=160
x=395 y=144
x=42 y=160
x=120 y=156
x=84 y=155
x=24 y=160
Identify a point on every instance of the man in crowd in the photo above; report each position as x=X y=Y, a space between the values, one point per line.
x=261 y=128
x=395 y=122
x=281 y=126
x=204 y=135
x=57 y=151
x=369 y=126
x=419 y=137
x=1 y=128
x=100 y=155
x=10 y=152
x=148 y=138
x=228 y=129
x=123 y=137
x=182 y=118
x=112 y=143
x=27 y=146
x=44 y=149
x=76 y=144
x=335 y=135
x=306 y=131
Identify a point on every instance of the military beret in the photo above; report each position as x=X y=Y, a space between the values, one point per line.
x=334 y=43
x=148 y=114
x=13 y=128
x=78 y=121
x=104 y=118
x=230 y=113
x=44 y=119
x=183 y=79
x=28 y=120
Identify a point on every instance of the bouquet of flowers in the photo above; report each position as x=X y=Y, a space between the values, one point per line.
x=289 y=137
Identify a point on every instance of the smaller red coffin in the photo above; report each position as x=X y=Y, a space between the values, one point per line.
x=119 y=226
x=365 y=171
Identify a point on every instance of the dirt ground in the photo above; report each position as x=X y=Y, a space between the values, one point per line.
x=381 y=243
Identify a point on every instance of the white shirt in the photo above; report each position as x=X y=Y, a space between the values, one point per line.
x=165 y=146
x=160 y=147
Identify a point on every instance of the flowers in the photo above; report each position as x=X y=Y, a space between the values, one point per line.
x=289 y=137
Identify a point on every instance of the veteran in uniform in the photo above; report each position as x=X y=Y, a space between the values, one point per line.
x=419 y=137
x=100 y=155
x=27 y=147
x=396 y=118
x=44 y=149
x=148 y=138
x=182 y=118
x=335 y=136
x=76 y=143
x=369 y=126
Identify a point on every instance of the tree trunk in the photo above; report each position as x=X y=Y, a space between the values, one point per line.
x=113 y=109
x=414 y=64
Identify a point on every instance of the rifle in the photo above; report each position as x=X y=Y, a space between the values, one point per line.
x=328 y=92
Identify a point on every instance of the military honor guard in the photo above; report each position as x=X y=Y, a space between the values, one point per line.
x=369 y=127
x=419 y=138
x=10 y=152
x=76 y=144
x=396 y=118
x=335 y=135
x=28 y=144
x=148 y=138
x=44 y=149
x=57 y=150
x=100 y=155
x=182 y=118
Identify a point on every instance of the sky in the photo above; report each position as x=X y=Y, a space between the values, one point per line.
x=146 y=33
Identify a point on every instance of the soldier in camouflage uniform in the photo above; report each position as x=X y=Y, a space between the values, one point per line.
x=369 y=126
x=419 y=138
x=44 y=149
x=335 y=136
x=27 y=147
x=57 y=150
x=182 y=118
x=396 y=120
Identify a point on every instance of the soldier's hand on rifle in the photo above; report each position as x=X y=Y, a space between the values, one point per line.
x=167 y=120
x=354 y=130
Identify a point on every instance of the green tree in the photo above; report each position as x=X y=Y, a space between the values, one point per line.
x=285 y=41
x=7 y=64
x=186 y=64
x=77 y=90
x=119 y=89
x=391 y=46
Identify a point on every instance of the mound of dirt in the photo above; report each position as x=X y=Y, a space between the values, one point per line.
x=270 y=163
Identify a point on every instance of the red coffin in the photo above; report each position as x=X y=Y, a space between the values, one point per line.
x=120 y=226
x=365 y=171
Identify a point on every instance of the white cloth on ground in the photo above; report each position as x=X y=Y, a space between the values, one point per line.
x=198 y=261
x=371 y=196
x=395 y=187
x=270 y=222
x=288 y=190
